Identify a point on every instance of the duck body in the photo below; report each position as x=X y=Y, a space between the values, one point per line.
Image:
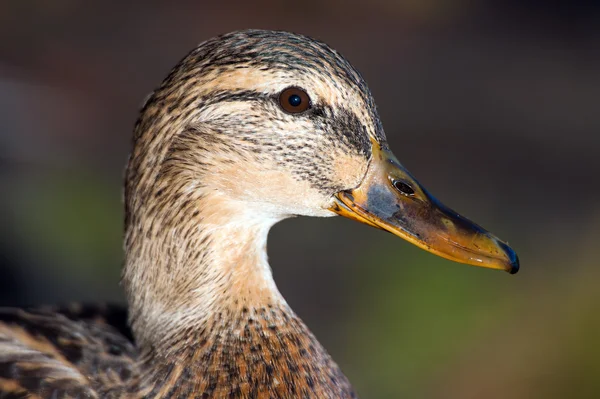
x=250 y=128
x=88 y=352
x=65 y=353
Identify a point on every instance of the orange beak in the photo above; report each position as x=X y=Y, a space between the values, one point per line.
x=391 y=199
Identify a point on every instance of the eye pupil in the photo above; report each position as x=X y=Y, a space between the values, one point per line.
x=403 y=187
x=295 y=100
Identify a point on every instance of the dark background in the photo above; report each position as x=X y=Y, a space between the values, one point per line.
x=493 y=105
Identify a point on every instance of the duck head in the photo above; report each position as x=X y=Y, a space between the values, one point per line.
x=261 y=125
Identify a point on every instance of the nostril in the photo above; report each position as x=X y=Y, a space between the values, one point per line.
x=403 y=187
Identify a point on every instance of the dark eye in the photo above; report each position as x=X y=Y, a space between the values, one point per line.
x=294 y=100
x=403 y=187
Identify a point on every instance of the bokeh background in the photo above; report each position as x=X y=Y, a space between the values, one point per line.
x=493 y=105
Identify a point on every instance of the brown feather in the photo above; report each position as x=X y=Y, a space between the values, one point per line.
x=215 y=164
x=45 y=353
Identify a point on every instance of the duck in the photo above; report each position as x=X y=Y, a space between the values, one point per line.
x=249 y=128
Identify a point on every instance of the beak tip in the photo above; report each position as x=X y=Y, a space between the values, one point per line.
x=513 y=260
x=514 y=266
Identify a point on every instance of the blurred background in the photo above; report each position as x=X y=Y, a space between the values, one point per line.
x=493 y=105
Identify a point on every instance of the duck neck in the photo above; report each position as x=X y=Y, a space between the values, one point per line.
x=208 y=317
x=201 y=266
x=204 y=309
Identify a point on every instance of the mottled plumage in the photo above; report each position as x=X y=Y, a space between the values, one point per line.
x=209 y=321
x=218 y=158
x=72 y=352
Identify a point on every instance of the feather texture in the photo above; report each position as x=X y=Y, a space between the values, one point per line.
x=74 y=352
x=216 y=162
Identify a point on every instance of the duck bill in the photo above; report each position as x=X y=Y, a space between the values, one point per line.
x=390 y=198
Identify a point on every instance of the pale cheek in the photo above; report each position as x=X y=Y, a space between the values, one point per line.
x=268 y=190
x=349 y=169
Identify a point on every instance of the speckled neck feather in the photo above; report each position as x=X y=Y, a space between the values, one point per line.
x=216 y=161
x=248 y=353
x=204 y=309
